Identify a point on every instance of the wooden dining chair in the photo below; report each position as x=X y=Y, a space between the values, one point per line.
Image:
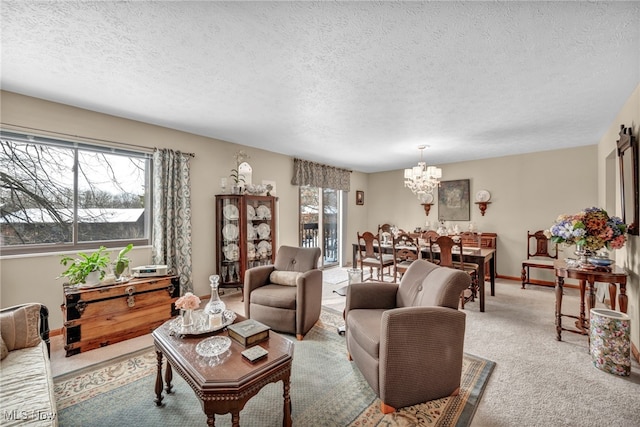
x=405 y=251
x=429 y=235
x=385 y=232
x=448 y=249
x=540 y=254
x=384 y=228
x=424 y=241
x=371 y=258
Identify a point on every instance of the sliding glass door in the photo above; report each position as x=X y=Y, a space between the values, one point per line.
x=320 y=222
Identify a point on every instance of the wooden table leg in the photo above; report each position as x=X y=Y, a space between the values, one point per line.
x=591 y=303
x=159 y=384
x=622 y=298
x=235 y=419
x=286 y=385
x=168 y=376
x=580 y=321
x=492 y=274
x=211 y=420
x=481 y=285
x=559 y=284
x=612 y=295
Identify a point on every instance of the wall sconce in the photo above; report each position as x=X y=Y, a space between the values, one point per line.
x=483 y=206
x=482 y=200
x=427 y=199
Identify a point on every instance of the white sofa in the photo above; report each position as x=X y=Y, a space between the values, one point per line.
x=26 y=382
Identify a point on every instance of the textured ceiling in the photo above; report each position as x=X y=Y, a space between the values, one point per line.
x=352 y=84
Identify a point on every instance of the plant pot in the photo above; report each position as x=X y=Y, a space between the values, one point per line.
x=92 y=278
x=121 y=272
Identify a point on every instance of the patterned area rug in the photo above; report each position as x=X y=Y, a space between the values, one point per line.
x=326 y=390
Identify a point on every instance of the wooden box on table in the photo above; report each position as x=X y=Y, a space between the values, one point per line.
x=101 y=315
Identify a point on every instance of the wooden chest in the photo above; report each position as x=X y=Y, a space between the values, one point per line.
x=99 y=316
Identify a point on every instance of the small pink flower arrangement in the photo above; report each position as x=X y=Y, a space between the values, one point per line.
x=188 y=301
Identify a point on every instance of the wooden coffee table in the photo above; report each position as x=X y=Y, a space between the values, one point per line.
x=227 y=384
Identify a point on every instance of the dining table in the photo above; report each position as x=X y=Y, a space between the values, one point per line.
x=474 y=255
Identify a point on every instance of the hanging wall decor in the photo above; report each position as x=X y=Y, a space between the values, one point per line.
x=453 y=200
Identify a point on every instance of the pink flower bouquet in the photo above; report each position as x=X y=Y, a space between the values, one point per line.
x=188 y=301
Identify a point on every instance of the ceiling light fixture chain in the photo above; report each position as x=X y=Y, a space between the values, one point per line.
x=422 y=179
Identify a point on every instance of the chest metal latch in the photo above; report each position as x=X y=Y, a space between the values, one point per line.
x=131 y=300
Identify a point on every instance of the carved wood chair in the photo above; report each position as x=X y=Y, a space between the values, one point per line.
x=449 y=247
x=541 y=253
x=370 y=258
x=425 y=240
x=405 y=251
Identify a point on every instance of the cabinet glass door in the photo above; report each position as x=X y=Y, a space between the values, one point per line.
x=230 y=255
x=260 y=212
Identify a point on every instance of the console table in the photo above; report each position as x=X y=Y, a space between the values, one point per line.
x=586 y=276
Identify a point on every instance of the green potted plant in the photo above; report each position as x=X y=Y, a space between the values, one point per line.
x=237 y=179
x=87 y=269
x=121 y=264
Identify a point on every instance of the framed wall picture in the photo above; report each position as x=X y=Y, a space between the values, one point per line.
x=453 y=201
x=359 y=197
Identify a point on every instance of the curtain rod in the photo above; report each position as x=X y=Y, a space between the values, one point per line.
x=84 y=138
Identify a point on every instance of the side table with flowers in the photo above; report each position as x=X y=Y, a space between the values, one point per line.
x=591 y=230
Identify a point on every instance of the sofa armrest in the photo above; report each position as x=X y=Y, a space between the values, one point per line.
x=309 y=278
x=308 y=299
x=44 y=327
x=423 y=346
x=371 y=295
x=29 y=321
x=309 y=287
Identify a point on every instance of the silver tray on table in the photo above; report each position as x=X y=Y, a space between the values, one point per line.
x=200 y=324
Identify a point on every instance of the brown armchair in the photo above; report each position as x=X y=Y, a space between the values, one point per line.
x=407 y=339
x=286 y=296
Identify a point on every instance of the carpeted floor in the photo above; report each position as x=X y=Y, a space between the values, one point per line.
x=326 y=390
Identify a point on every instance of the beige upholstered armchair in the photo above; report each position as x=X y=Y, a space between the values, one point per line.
x=407 y=339
x=287 y=296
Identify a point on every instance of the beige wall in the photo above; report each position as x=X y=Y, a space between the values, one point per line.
x=528 y=192
x=629 y=255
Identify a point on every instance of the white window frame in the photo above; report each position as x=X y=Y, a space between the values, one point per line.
x=74 y=245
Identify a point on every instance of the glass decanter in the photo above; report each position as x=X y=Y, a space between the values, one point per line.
x=215 y=304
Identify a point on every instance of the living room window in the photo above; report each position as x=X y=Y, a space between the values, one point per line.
x=58 y=195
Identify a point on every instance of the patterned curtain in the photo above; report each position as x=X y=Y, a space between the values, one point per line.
x=172 y=214
x=319 y=175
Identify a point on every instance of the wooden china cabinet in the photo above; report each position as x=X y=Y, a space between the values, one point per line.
x=245 y=235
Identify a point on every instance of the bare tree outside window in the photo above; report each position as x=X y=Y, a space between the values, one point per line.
x=66 y=195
